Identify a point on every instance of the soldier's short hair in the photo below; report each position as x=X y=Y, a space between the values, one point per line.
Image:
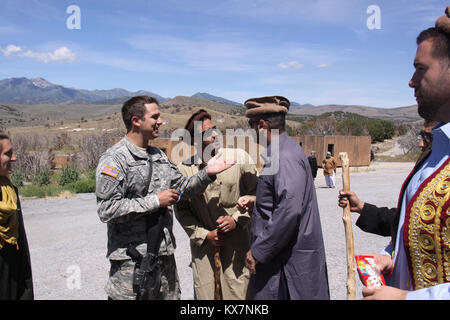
x=135 y=107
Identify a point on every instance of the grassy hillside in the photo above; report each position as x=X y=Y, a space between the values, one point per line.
x=402 y=114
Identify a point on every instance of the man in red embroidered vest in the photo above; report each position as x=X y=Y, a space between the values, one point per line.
x=417 y=261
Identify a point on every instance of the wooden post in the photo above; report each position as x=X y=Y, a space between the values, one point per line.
x=351 y=269
x=217 y=267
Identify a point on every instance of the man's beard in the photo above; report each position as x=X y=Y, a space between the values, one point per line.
x=426 y=111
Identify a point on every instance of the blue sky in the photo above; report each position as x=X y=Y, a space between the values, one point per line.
x=319 y=52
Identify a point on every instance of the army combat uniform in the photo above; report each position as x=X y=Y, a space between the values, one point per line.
x=128 y=180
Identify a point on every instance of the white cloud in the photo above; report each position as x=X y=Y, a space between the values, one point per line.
x=291 y=65
x=62 y=55
x=10 y=50
x=323 y=65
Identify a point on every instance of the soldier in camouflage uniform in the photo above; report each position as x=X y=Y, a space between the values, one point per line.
x=134 y=180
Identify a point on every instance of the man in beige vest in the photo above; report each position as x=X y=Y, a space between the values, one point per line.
x=213 y=219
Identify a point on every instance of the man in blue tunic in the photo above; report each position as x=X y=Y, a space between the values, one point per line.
x=287 y=255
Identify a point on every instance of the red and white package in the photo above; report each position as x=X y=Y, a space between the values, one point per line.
x=368 y=272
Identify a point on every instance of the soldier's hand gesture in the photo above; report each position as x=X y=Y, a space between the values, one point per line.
x=216 y=165
x=167 y=197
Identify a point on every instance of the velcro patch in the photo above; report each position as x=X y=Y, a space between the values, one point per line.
x=110 y=171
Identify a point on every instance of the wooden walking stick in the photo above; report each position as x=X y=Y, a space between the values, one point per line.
x=351 y=270
x=217 y=267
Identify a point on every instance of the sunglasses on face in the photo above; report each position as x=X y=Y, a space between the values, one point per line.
x=426 y=136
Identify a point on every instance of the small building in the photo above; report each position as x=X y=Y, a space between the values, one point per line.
x=60 y=160
x=357 y=148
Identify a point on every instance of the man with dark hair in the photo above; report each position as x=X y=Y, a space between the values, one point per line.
x=213 y=220
x=135 y=107
x=416 y=261
x=135 y=182
x=15 y=266
x=287 y=255
x=197 y=119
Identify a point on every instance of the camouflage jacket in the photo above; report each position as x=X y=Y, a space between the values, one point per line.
x=128 y=180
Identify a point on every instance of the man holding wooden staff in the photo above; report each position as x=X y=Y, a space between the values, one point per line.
x=219 y=231
x=287 y=256
x=416 y=262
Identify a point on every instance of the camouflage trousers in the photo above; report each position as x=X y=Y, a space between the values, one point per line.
x=120 y=282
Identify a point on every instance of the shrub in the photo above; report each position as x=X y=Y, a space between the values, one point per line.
x=42 y=177
x=17 y=178
x=69 y=173
x=81 y=186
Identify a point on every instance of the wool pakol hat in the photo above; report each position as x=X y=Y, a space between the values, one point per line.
x=264 y=105
x=443 y=23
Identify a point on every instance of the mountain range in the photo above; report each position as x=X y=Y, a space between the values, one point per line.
x=41 y=91
x=38 y=91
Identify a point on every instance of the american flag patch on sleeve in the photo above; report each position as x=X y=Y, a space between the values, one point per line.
x=110 y=171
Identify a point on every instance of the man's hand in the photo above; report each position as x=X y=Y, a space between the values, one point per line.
x=215 y=165
x=167 y=197
x=215 y=238
x=246 y=203
x=356 y=205
x=384 y=263
x=251 y=262
x=384 y=293
x=226 y=224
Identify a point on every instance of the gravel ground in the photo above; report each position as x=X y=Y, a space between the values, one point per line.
x=68 y=241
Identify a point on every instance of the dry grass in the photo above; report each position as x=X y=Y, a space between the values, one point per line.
x=410 y=157
x=63 y=195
